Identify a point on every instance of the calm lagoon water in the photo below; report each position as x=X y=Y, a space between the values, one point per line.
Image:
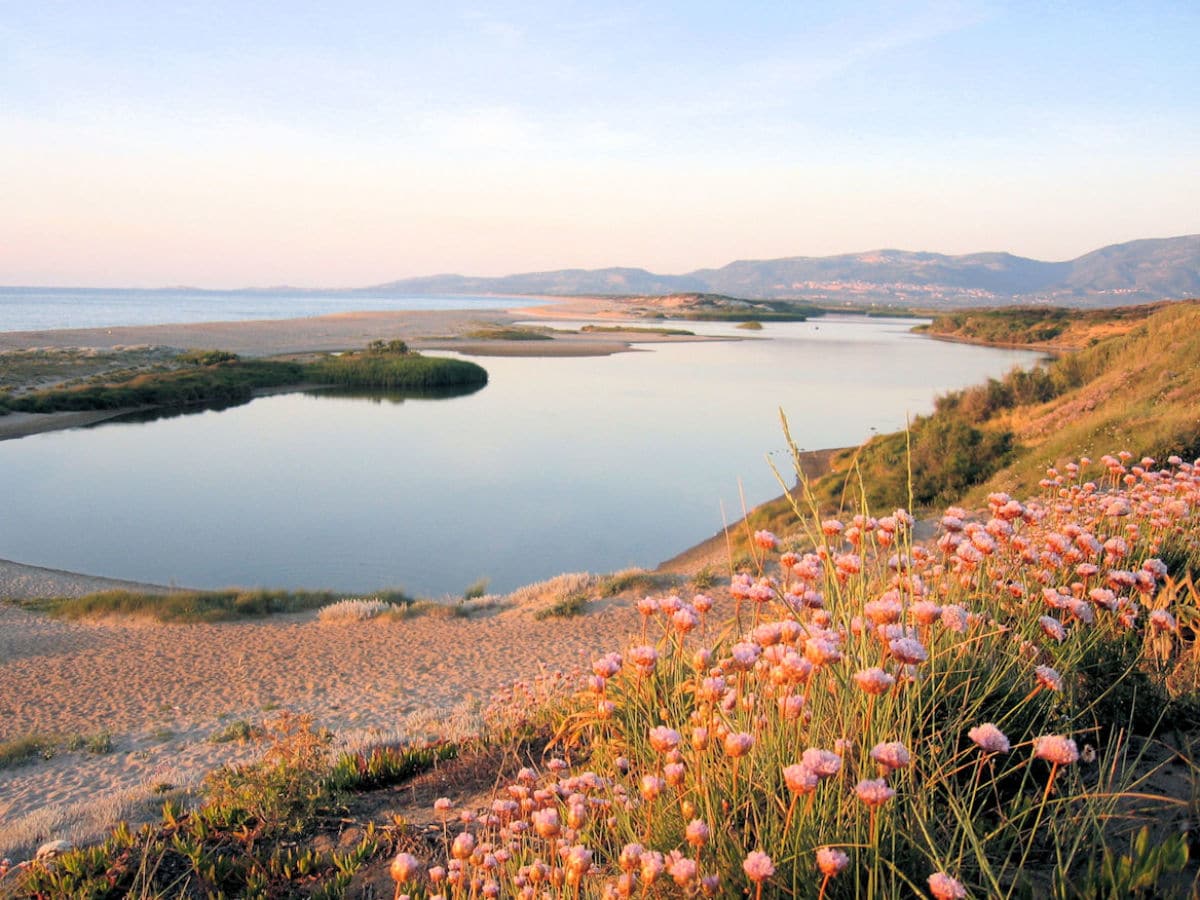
x=39 y=309
x=557 y=465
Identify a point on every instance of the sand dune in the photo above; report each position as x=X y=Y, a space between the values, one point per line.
x=162 y=691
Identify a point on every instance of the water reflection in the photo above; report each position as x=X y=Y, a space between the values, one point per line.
x=372 y=395
x=396 y=397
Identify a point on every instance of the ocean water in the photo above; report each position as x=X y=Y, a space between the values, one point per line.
x=40 y=309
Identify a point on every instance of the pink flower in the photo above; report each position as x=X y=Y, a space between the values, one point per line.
x=702 y=603
x=405 y=867
x=464 y=844
x=670 y=605
x=685 y=620
x=924 y=612
x=1161 y=620
x=682 y=870
x=954 y=618
x=738 y=743
x=884 y=611
x=765 y=539
x=697 y=833
x=893 y=755
x=847 y=564
x=874 y=681
x=791 y=707
x=800 y=779
x=943 y=887
x=630 y=856
x=576 y=815
x=908 y=650
x=874 y=791
x=1056 y=749
x=831 y=862
x=578 y=861
x=821 y=651
x=607 y=666
x=1048 y=678
x=652 y=786
x=644 y=658
x=1052 y=628
x=989 y=738
x=545 y=822
x=758 y=866
x=651 y=866
x=664 y=739
x=824 y=763
x=743 y=656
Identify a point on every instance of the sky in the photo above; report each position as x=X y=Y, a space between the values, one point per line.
x=229 y=144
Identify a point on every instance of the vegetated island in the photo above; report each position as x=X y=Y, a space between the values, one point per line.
x=701 y=307
x=219 y=377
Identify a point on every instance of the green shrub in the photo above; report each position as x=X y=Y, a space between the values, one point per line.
x=476 y=590
x=239 y=730
x=566 y=608
x=20 y=750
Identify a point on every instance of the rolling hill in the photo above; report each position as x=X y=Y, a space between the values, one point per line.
x=1120 y=274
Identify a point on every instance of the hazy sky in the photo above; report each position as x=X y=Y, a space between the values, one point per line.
x=220 y=143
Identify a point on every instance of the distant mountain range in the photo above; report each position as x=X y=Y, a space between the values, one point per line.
x=1133 y=272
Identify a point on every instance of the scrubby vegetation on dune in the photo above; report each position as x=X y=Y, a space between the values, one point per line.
x=196 y=606
x=1034 y=325
x=216 y=376
x=856 y=715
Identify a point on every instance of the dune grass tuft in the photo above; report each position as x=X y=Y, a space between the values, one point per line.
x=181 y=607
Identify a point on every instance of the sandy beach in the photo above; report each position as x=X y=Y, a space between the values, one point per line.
x=163 y=691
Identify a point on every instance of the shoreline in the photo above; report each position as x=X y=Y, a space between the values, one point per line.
x=1048 y=349
x=438 y=330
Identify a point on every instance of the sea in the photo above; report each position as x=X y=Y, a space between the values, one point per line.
x=48 y=308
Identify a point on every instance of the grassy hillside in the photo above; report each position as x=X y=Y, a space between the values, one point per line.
x=1138 y=391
